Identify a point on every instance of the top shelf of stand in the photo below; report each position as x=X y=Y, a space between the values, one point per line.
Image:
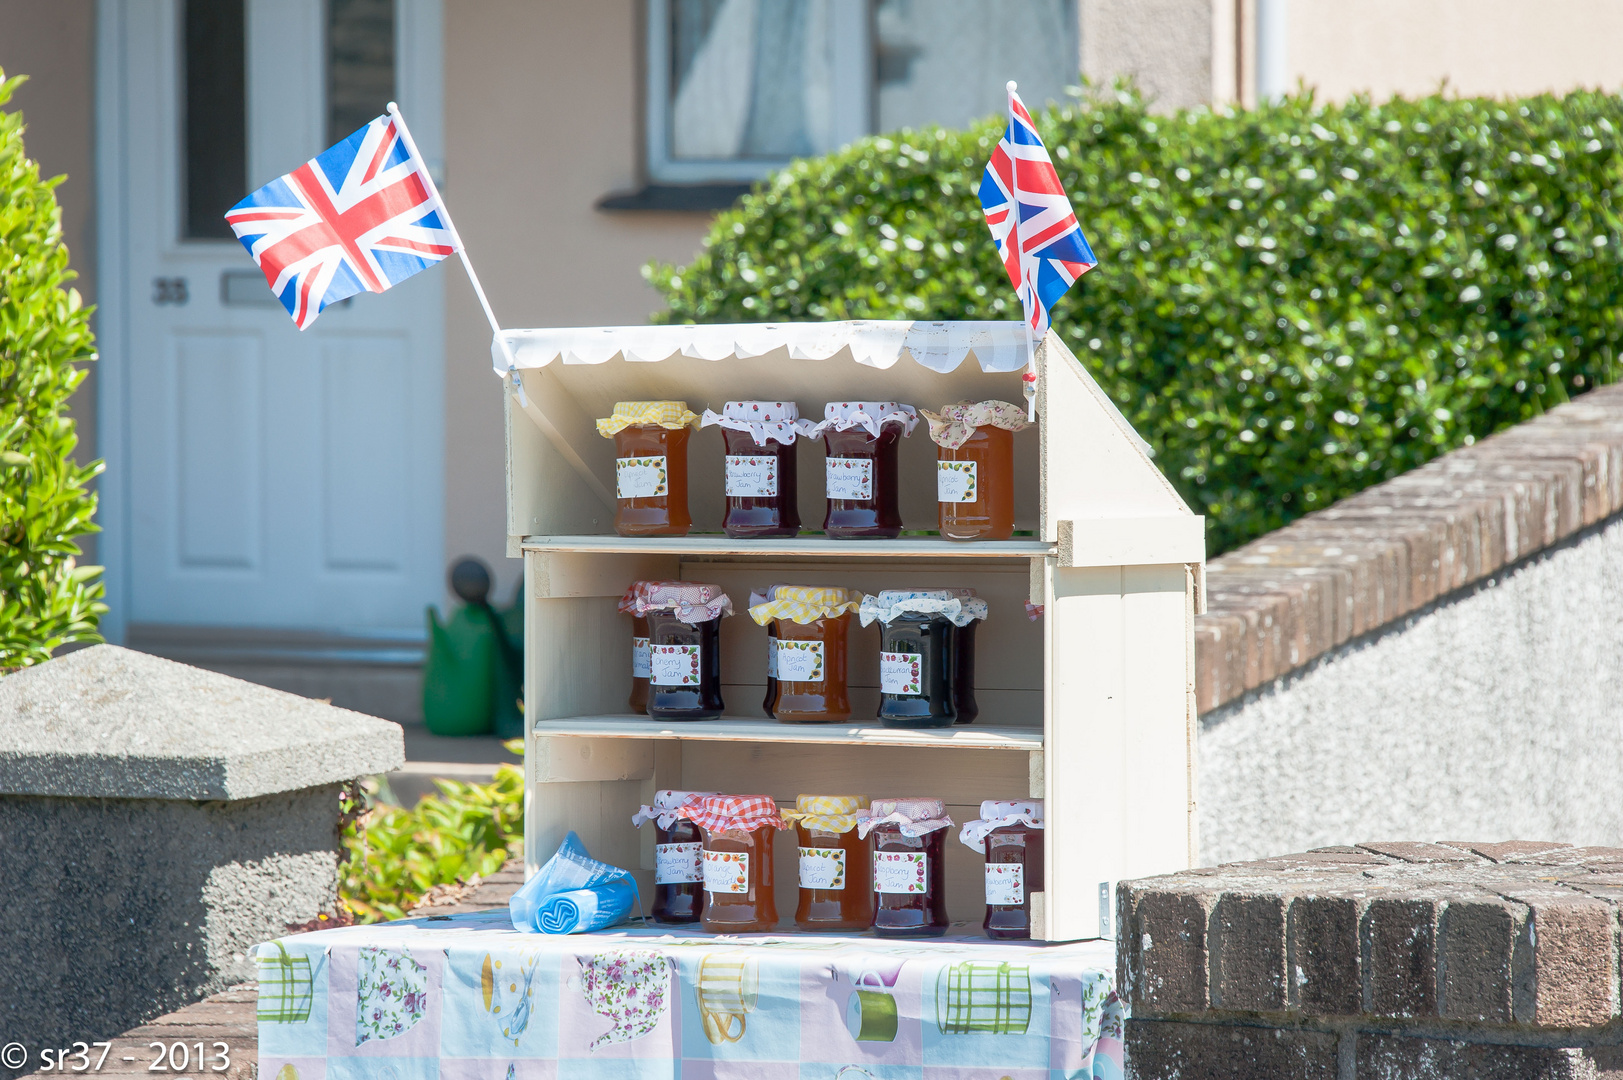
x=906 y=547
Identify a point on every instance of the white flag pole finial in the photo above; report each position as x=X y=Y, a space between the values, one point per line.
x=461 y=250
x=1029 y=379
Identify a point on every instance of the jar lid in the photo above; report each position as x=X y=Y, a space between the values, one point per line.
x=961 y=606
x=764 y=420
x=803 y=603
x=954 y=424
x=747 y=812
x=868 y=415
x=692 y=601
x=998 y=813
x=914 y=817
x=665 y=414
x=828 y=813
x=669 y=808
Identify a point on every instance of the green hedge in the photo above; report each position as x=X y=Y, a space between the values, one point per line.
x=46 y=598
x=1292 y=303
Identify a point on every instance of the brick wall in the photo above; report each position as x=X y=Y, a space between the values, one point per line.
x=1380 y=960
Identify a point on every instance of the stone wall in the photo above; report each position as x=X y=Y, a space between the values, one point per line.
x=1441 y=652
x=1495 y=961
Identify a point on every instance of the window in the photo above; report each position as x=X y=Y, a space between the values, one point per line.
x=360 y=64
x=213 y=46
x=738 y=87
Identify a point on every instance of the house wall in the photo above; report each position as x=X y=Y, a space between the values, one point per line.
x=54 y=45
x=543 y=106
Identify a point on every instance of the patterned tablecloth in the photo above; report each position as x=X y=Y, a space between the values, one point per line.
x=464 y=997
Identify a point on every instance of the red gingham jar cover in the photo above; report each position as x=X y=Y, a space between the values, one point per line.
x=692 y=601
x=746 y=812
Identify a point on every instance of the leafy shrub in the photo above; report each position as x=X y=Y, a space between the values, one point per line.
x=396 y=855
x=46 y=599
x=1292 y=303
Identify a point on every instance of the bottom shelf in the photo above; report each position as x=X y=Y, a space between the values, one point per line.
x=728 y=729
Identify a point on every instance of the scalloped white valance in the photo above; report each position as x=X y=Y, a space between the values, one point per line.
x=939 y=346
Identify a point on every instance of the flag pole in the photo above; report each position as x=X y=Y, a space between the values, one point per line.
x=461 y=249
x=1029 y=379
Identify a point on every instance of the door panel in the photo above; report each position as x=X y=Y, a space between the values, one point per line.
x=268 y=477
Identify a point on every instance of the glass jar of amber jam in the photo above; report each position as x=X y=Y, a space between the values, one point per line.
x=737 y=862
x=1009 y=834
x=861 y=476
x=684 y=646
x=909 y=868
x=650 y=466
x=836 y=872
x=761 y=483
x=918 y=653
x=678 y=843
x=975 y=468
x=810 y=628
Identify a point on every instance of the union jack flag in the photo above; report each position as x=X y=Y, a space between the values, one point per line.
x=364 y=215
x=1042 y=249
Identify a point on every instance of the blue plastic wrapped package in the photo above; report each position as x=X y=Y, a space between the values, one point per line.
x=573 y=894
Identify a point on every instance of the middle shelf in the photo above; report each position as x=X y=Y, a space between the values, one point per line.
x=630 y=726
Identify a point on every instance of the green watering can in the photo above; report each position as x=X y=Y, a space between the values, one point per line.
x=474 y=675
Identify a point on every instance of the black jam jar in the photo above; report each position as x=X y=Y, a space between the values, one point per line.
x=918 y=655
x=861 y=476
x=963 y=674
x=678 y=842
x=909 y=871
x=684 y=646
x=761 y=484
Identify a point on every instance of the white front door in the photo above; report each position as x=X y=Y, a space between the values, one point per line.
x=260 y=476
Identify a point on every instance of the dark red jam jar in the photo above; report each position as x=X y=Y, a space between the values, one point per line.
x=860 y=473
x=909 y=869
x=684 y=646
x=761 y=482
x=678 y=872
x=1009 y=834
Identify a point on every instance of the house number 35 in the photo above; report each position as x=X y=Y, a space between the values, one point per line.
x=169 y=290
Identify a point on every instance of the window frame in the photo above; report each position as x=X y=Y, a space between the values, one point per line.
x=853 y=97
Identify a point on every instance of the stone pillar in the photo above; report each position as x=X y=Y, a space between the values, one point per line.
x=157 y=822
x=1414 y=960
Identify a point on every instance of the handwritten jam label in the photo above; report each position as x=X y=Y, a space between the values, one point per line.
x=640 y=477
x=752 y=477
x=676 y=864
x=1006 y=884
x=822 y=868
x=727 y=871
x=899 y=672
x=639 y=658
x=849 y=477
x=800 y=661
x=673 y=665
x=955 y=482
x=900 y=871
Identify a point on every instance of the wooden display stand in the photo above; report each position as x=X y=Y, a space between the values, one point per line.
x=1090 y=707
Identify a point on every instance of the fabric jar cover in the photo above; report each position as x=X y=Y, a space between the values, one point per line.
x=746 y=812
x=765 y=420
x=914 y=817
x=669 y=808
x=961 y=606
x=803 y=603
x=665 y=414
x=868 y=415
x=828 y=813
x=997 y=813
x=954 y=424
x=692 y=601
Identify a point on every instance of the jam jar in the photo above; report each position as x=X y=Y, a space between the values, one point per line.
x=756 y=600
x=684 y=646
x=918 y=653
x=650 y=466
x=639 y=664
x=678 y=877
x=836 y=873
x=963 y=671
x=760 y=481
x=810 y=627
x=1009 y=833
x=860 y=471
x=909 y=871
x=737 y=861
x=975 y=468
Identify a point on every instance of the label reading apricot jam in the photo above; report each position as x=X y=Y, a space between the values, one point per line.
x=640 y=477
x=955 y=481
x=822 y=868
